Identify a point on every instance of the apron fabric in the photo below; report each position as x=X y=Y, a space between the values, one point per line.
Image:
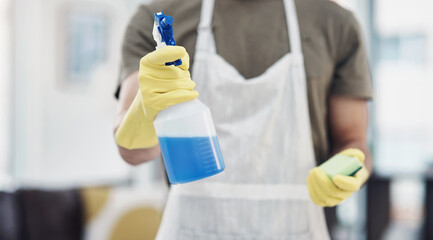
x=263 y=128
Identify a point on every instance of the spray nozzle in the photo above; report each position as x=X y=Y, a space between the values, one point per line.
x=163 y=33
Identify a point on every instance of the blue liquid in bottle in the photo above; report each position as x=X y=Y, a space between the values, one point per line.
x=191 y=158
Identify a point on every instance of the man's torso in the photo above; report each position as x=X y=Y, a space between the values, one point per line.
x=252 y=35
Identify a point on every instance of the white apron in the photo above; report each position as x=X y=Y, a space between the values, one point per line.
x=264 y=132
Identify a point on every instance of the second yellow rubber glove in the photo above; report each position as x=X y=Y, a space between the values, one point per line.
x=327 y=192
x=160 y=87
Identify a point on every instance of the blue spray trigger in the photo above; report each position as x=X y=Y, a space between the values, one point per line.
x=175 y=63
x=164 y=24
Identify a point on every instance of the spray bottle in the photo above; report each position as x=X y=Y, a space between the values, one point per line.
x=186 y=132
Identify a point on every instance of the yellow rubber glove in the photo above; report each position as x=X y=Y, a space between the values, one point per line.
x=160 y=87
x=328 y=193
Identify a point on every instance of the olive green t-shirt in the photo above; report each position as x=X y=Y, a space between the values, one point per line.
x=252 y=35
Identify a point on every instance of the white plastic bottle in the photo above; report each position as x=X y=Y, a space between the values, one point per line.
x=186 y=132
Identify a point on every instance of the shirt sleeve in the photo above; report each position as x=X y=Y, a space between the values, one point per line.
x=352 y=76
x=137 y=42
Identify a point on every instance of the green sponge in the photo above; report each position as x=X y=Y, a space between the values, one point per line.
x=341 y=165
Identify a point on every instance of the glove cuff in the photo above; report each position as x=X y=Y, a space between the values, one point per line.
x=136 y=130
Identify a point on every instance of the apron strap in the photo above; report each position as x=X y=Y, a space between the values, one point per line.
x=206 y=14
x=205 y=39
x=293 y=27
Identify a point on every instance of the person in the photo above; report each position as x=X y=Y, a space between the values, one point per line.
x=287 y=82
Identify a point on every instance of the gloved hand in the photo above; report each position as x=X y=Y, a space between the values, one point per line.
x=328 y=193
x=160 y=87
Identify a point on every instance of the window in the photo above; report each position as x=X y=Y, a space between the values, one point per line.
x=403 y=84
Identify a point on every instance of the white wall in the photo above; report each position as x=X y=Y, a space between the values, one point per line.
x=63 y=133
x=4 y=89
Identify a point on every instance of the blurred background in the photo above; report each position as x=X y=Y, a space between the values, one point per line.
x=61 y=175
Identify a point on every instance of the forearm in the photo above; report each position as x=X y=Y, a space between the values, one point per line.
x=129 y=90
x=348 y=122
x=136 y=156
